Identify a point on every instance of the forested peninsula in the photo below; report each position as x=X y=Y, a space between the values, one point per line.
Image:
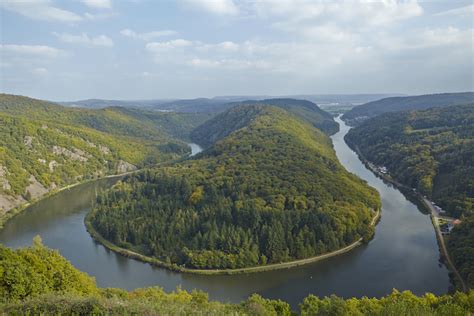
x=269 y=189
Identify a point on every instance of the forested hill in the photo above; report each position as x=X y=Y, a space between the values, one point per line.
x=241 y=114
x=223 y=124
x=39 y=281
x=272 y=190
x=44 y=146
x=433 y=151
x=430 y=150
x=371 y=109
x=304 y=109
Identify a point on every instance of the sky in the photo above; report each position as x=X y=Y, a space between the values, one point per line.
x=64 y=50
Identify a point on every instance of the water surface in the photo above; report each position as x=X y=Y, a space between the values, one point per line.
x=403 y=254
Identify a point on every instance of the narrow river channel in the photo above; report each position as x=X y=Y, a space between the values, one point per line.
x=404 y=253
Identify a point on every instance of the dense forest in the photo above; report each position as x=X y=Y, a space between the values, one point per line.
x=39 y=281
x=305 y=110
x=238 y=117
x=44 y=146
x=269 y=190
x=362 y=112
x=461 y=249
x=432 y=151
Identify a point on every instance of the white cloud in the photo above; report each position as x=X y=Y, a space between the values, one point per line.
x=40 y=10
x=462 y=11
x=359 y=11
x=99 y=16
x=159 y=47
x=218 y=7
x=40 y=71
x=100 y=40
x=31 y=50
x=98 y=4
x=147 y=36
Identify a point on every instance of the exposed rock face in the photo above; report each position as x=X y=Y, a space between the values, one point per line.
x=104 y=149
x=35 y=189
x=28 y=141
x=52 y=164
x=91 y=144
x=3 y=178
x=78 y=154
x=124 y=166
x=7 y=202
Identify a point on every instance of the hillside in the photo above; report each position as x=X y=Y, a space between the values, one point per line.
x=44 y=146
x=270 y=190
x=362 y=112
x=240 y=114
x=305 y=110
x=432 y=151
x=37 y=280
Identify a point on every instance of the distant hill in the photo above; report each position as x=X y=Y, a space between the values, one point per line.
x=371 y=109
x=101 y=103
x=305 y=110
x=240 y=114
x=221 y=103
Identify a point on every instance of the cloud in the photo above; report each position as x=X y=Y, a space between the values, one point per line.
x=98 y=4
x=40 y=71
x=334 y=20
x=100 y=40
x=217 y=7
x=31 y=50
x=360 y=11
x=159 y=47
x=40 y=10
x=148 y=35
x=99 y=16
x=462 y=11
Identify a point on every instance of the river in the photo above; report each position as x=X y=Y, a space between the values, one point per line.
x=403 y=254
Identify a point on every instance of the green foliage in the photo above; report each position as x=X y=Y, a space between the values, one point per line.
x=371 y=109
x=39 y=281
x=304 y=110
x=461 y=249
x=89 y=143
x=430 y=150
x=241 y=114
x=37 y=270
x=397 y=303
x=271 y=190
x=433 y=151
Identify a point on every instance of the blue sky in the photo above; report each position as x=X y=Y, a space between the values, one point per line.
x=142 y=49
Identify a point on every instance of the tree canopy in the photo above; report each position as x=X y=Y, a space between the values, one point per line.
x=270 y=189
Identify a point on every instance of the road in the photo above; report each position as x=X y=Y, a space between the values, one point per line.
x=442 y=245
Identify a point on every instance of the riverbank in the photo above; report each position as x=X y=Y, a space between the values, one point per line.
x=174 y=267
x=20 y=208
x=421 y=199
